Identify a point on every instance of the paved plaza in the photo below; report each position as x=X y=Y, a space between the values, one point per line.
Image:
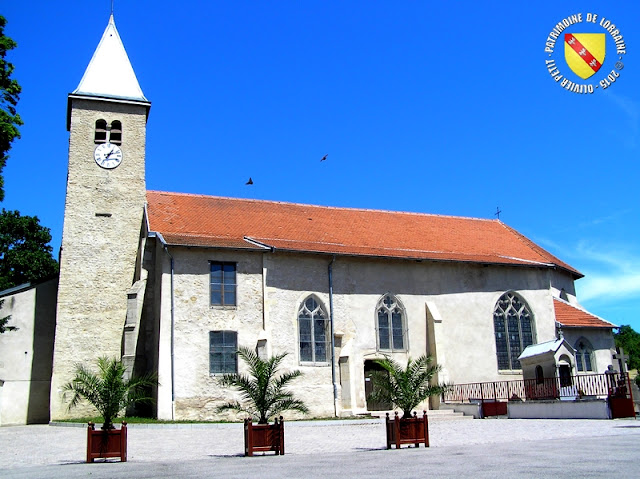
x=348 y=448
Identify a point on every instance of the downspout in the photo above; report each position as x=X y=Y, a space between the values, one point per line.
x=333 y=342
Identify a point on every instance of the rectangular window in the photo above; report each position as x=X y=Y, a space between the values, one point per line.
x=223 y=346
x=513 y=325
x=501 y=343
x=223 y=284
x=587 y=362
x=397 y=331
x=383 y=330
x=320 y=336
x=306 y=339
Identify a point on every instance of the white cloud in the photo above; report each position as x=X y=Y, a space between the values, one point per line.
x=608 y=287
x=611 y=272
x=615 y=256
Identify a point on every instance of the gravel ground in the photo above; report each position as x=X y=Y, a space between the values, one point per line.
x=42 y=445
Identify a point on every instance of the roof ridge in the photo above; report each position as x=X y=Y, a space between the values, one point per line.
x=308 y=205
x=541 y=251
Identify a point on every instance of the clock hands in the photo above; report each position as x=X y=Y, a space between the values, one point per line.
x=108 y=155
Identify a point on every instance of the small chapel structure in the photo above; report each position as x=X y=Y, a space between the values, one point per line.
x=174 y=283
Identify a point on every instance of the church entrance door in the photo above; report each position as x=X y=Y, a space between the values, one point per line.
x=369 y=367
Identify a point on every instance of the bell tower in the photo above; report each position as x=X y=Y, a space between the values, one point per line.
x=106 y=193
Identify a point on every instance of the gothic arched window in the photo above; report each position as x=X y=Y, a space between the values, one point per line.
x=584 y=355
x=390 y=324
x=313 y=329
x=513 y=326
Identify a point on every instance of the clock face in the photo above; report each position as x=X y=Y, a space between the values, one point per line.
x=108 y=155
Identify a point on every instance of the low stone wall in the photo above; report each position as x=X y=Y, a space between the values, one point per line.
x=582 y=409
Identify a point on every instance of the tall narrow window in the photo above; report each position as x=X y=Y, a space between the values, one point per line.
x=313 y=329
x=223 y=346
x=100 y=132
x=390 y=319
x=584 y=354
x=512 y=323
x=115 y=135
x=223 y=284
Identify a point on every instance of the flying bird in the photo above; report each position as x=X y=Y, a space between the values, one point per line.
x=324 y=157
x=250 y=182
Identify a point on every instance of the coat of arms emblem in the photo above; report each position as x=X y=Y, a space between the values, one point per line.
x=584 y=52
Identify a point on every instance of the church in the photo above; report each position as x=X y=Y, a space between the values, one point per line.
x=174 y=283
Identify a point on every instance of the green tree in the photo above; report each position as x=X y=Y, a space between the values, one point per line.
x=9 y=96
x=405 y=388
x=108 y=391
x=629 y=340
x=25 y=255
x=263 y=391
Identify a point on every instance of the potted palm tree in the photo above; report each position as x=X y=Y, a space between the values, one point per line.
x=109 y=393
x=406 y=388
x=264 y=396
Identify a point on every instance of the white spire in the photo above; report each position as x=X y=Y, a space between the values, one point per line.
x=110 y=73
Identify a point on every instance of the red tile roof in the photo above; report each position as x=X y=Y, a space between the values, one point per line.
x=572 y=317
x=210 y=221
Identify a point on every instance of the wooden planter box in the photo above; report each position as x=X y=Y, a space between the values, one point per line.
x=494 y=408
x=407 y=431
x=621 y=407
x=263 y=437
x=104 y=444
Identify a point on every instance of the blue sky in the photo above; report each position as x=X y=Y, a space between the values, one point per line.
x=445 y=109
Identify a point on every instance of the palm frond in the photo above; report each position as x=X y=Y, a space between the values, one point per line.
x=287 y=404
x=237 y=406
x=107 y=390
x=405 y=387
x=262 y=391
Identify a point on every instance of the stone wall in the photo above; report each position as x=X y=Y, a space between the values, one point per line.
x=102 y=223
x=271 y=288
x=581 y=409
x=26 y=354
